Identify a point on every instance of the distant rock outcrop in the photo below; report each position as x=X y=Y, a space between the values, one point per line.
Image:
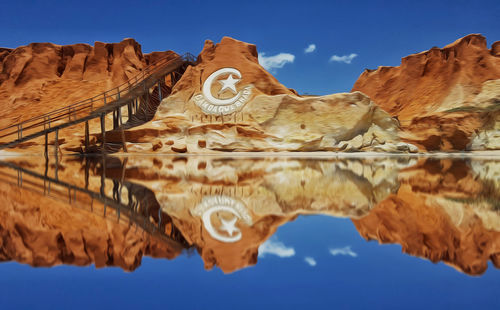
x=268 y=116
x=442 y=96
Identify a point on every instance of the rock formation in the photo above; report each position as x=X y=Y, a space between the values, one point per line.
x=42 y=77
x=444 y=98
x=269 y=117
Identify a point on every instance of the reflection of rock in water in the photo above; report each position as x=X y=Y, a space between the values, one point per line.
x=442 y=211
x=439 y=209
x=42 y=231
x=273 y=191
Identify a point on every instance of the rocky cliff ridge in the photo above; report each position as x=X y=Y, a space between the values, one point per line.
x=45 y=76
x=443 y=97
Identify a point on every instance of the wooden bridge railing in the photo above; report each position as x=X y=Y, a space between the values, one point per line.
x=134 y=87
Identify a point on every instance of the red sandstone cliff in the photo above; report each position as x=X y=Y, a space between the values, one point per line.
x=431 y=93
x=45 y=76
x=270 y=117
x=230 y=53
x=427 y=87
x=423 y=81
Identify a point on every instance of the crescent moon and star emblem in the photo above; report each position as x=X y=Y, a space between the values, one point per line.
x=209 y=104
x=220 y=214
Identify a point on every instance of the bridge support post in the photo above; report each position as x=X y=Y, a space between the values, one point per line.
x=56 y=149
x=159 y=90
x=87 y=173
x=103 y=132
x=19 y=178
x=124 y=141
x=86 y=136
x=119 y=116
x=46 y=148
x=115 y=120
x=45 y=176
x=56 y=143
x=103 y=177
x=129 y=109
x=172 y=81
x=159 y=221
x=103 y=182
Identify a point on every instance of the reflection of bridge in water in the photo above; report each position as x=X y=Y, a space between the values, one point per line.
x=130 y=203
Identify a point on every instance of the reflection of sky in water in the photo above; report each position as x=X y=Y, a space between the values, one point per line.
x=379 y=276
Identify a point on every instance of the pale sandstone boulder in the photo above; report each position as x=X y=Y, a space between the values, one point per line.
x=274 y=118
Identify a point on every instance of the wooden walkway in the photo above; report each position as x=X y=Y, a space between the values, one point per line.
x=141 y=94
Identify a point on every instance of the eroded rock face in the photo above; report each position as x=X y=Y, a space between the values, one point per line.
x=443 y=211
x=45 y=76
x=441 y=96
x=488 y=136
x=270 y=117
x=434 y=80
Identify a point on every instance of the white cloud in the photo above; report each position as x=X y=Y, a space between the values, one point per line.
x=271 y=63
x=345 y=59
x=311 y=48
x=343 y=251
x=310 y=261
x=275 y=247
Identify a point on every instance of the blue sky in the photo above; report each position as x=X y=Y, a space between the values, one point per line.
x=379 y=32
